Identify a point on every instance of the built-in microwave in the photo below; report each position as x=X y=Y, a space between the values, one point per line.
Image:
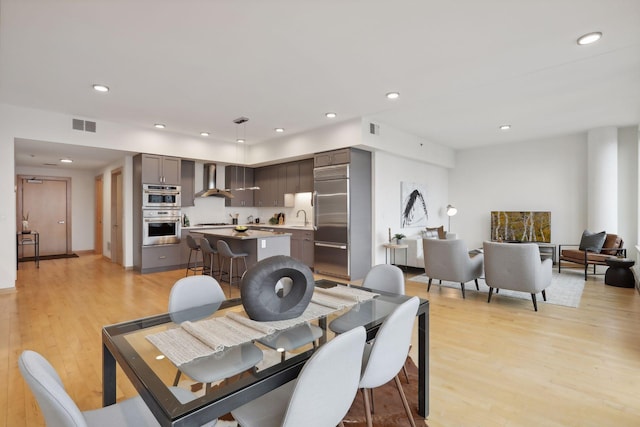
x=160 y=227
x=160 y=196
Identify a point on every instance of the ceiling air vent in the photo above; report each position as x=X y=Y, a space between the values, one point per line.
x=84 y=125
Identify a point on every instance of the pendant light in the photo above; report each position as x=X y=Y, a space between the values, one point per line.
x=242 y=121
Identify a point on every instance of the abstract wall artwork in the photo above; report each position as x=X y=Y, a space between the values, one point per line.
x=521 y=226
x=414 y=206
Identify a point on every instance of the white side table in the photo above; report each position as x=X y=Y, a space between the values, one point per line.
x=390 y=252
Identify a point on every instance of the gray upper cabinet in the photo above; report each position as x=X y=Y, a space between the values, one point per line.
x=187 y=182
x=329 y=158
x=160 y=169
x=306 y=175
x=299 y=176
x=239 y=177
x=272 y=183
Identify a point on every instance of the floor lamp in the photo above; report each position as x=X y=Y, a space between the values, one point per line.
x=451 y=211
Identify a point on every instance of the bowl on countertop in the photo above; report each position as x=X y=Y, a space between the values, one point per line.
x=241 y=228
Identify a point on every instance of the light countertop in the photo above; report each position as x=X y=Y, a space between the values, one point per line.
x=245 y=235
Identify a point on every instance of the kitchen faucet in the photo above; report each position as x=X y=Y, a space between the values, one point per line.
x=305 y=216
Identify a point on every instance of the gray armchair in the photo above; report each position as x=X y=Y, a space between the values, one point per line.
x=517 y=267
x=449 y=260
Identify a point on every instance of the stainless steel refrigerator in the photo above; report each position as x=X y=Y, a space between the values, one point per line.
x=342 y=215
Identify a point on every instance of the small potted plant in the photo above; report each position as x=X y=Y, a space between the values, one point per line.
x=399 y=237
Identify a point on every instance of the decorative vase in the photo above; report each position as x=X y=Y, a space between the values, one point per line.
x=25 y=226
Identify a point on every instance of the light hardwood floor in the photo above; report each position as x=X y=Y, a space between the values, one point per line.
x=498 y=364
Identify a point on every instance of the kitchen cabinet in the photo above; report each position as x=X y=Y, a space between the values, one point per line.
x=306 y=176
x=272 y=183
x=299 y=176
x=160 y=169
x=302 y=246
x=187 y=182
x=239 y=177
x=160 y=258
x=329 y=158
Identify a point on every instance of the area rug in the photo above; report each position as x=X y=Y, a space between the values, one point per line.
x=566 y=288
x=388 y=408
x=47 y=257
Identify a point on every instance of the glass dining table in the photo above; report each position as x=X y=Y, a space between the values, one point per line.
x=152 y=373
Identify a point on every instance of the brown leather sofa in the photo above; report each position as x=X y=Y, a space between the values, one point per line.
x=612 y=247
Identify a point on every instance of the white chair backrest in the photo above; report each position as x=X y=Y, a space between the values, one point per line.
x=445 y=259
x=56 y=405
x=515 y=266
x=328 y=383
x=191 y=292
x=385 y=277
x=391 y=345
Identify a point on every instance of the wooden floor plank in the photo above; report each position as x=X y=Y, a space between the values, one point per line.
x=498 y=364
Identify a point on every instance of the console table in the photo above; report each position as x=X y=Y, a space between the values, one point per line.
x=390 y=252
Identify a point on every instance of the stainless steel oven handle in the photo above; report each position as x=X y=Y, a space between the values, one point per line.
x=162 y=220
x=331 y=245
x=162 y=193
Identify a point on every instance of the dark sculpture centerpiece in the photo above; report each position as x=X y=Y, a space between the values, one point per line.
x=264 y=295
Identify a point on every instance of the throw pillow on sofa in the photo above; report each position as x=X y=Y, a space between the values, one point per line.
x=435 y=232
x=592 y=242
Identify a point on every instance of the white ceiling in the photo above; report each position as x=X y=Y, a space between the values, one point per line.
x=462 y=67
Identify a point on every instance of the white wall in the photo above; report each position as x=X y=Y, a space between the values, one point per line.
x=541 y=175
x=628 y=141
x=389 y=171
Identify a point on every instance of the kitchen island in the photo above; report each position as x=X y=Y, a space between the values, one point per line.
x=259 y=244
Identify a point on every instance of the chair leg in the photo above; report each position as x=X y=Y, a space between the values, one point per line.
x=429 y=286
x=186 y=273
x=177 y=378
x=407 y=408
x=477 y=287
x=341 y=424
x=462 y=287
x=544 y=295
x=367 y=408
x=490 y=293
x=535 y=303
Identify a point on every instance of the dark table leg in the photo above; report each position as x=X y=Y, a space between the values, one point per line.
x=423 y=363
x=108 y=377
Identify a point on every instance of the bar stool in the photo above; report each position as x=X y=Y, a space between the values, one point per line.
x=209 y=255
x=193 y=247
x=224 y=251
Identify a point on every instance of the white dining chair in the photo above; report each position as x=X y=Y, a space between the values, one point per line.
x=189 y=295
x=321 y=395
x=386 y=278
x=386 y=355
x=59 y=409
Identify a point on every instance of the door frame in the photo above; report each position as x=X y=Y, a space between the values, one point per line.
x=19 y=189
x=98 y=241
x=117 y=251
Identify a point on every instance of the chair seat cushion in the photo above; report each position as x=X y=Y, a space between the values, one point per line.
x=577 y=256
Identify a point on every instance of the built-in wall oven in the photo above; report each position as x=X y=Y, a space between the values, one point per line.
x=160 y=196
x=160 y=227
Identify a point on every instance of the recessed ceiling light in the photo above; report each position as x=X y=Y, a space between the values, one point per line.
x=589 y=38
x=279 y=130
x=159 y=126
x=240 y=140
x=100 y=88
x=66 y=161
x=393 y=95
x=505 y=127
x=204 y=133
x=331 y=115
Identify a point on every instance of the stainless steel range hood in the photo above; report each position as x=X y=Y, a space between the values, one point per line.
x=209 y=183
